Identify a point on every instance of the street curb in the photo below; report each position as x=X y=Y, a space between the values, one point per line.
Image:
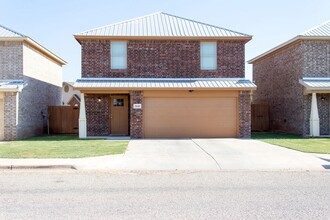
x=16 y=167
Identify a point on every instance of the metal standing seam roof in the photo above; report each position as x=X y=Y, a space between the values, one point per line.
x=312 y=83
x=6 y=32
x=165 y=83
x=12 y=85
x=321 y=31
x=161 y=25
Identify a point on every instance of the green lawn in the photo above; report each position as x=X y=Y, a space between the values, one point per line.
x=295 y=142
x=60 y=147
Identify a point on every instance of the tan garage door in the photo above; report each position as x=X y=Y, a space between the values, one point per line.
x=190 y=117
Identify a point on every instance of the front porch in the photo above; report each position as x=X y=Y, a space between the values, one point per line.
x=167 y=108
x=108 y=114
x=317 y=102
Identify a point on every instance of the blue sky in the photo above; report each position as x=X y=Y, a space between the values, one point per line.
x=52 y=23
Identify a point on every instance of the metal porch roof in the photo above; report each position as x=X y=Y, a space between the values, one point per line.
x=313 y=83
x=12 y=85
x=164 y=83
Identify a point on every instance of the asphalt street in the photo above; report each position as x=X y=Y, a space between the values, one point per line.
x=62 y=194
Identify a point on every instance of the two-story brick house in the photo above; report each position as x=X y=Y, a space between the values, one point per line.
x=163 y=76
x=30 y=80
x=294 y=79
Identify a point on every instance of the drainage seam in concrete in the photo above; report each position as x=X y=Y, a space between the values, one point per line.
x=207 y=153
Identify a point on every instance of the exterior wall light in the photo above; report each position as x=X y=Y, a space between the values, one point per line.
x=99 y=99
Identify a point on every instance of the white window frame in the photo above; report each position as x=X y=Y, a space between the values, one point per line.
x=208 y=55
x=121 y=55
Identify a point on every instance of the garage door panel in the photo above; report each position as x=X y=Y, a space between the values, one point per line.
x=190 y=117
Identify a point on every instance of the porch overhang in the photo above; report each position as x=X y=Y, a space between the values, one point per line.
x=12 y=85
x=315 y=85
x=101 y=84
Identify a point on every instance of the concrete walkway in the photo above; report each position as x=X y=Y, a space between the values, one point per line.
x=189 y=154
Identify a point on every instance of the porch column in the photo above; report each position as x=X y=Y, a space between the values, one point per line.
x=314 y=119
x=82 y=117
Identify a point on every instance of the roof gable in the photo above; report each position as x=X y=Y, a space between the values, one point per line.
x=7 y=34
x=320 y=32
x=161 y=25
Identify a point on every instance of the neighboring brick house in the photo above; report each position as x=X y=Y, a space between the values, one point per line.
x=30 y=80
x=163 y=76
x=294 y=79
x=69 y=95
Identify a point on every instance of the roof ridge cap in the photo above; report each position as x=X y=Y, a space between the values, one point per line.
x=203 y=23
x=164 y=13
x=119 y=22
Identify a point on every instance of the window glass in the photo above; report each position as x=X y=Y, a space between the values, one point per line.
x=118 y=102
x=208 y=55
x=118 y=55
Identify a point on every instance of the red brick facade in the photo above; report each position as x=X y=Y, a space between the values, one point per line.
x=136 y=115
x=277 y=77
x=97 y=115
x=158 y=59
x=162 y=59
x=10 y=120
x=244 y=114
x=25 y=111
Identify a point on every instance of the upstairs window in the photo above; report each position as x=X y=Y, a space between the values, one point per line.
x=118 y=55
x=208 y=55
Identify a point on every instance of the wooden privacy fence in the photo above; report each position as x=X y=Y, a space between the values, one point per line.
x=63 y=119
x=259 y=117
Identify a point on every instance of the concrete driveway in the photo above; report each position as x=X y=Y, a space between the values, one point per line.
x=214 y=154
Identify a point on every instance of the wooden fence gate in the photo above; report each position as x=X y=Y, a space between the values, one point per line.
x=259 y=117
x=63 y=119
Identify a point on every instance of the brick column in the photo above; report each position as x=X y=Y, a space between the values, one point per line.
x=10 y=113
x=136 y=120
x=244 y=114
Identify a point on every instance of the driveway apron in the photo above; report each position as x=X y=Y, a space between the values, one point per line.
x=243 y=154
x=166 y=154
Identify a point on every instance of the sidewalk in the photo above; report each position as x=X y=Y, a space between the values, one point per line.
x=184 y=155
x=103 y=162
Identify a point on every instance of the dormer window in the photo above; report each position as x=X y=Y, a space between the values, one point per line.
x=118 y=55
x=208 y=55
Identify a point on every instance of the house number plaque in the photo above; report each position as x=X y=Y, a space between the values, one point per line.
x=137 y=106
